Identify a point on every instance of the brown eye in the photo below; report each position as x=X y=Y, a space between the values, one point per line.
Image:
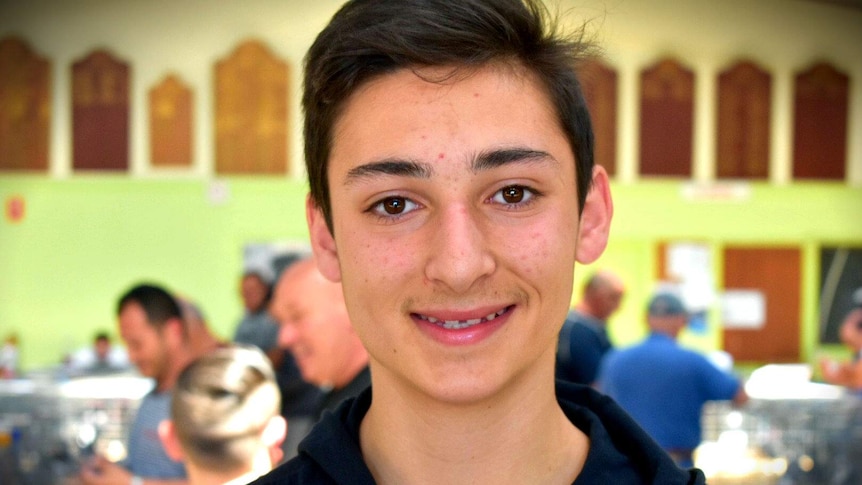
x=393 y=205
x=513 y=194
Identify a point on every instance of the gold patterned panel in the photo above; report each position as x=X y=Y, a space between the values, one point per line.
x=667 y=119
x=251 y=111
x=744 y=98
x=171 y=123
x=25 y=107
x=599 y=83
x=100 y=113
x=820 y=123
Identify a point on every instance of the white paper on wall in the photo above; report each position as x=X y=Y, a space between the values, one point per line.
x=743 y=309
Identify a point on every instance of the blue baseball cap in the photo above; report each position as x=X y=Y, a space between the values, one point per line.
x=665 y=304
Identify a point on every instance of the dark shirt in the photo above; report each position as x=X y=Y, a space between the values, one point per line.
x=583 y=342
x=620 y=451
x=333 y=398
x=298 y=397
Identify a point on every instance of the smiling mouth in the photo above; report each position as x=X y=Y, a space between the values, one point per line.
x=461 y=324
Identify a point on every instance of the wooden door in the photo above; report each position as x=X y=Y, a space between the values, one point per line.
x=774 y=271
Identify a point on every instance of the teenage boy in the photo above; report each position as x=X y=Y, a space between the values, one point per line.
x=449 y=152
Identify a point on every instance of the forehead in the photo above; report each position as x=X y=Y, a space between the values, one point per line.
x=133 y=319
x=433 y=104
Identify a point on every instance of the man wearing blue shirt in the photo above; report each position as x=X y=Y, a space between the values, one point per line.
x=664 y=386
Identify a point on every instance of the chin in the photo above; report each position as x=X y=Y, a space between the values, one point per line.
x=466 y=391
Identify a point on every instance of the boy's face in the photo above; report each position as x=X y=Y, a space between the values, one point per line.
x=456 y=229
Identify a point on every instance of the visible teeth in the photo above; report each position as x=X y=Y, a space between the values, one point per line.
x=459 y=324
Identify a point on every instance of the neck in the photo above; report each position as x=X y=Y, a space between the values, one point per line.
x=180 y=357
x=408 y=437
x=202 y=475
x=667 y=331
x=202 y=342
x=584 y=308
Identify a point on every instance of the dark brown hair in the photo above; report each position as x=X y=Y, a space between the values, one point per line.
x=369 y=38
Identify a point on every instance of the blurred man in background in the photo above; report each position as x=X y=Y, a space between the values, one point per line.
x=152 y=326
x=100 y=358
x=584 y=336
x=316 y=328
x=664 y=386
x=258 y=327
x=848 y=374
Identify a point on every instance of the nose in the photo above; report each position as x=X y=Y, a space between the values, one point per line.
x=286 y=335
x=459 y=255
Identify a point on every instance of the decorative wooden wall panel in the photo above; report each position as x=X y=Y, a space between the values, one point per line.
x=251 y=112
x=25 y=107
x=744 y=94
x=667 y=111
x=599 y=83
x=820 y=123
x=171 y=123
x=100 y=113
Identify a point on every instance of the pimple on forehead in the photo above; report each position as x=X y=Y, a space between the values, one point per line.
x=441 y=155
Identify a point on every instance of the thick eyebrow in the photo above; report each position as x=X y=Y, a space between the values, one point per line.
x=409 y=168
x=497 y=158
x=389 y=166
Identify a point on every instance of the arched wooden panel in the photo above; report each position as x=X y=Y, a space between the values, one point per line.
x=820 y=123
x=25 y=107
x=100 y=113
x=744 y=94
x=251 y=112
x=599 y=84
x=171 y=123
x=667 y=118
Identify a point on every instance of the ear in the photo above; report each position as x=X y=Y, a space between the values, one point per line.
x=273 y=436
x=595 y=223
x=275 y=431
x=174 y=330
x=322 y=242
x=170 y=441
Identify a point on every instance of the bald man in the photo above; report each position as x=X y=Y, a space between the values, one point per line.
x=315 y=327
x=584 y=337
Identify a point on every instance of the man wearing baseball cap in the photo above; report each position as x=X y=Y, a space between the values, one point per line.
x=663 y=385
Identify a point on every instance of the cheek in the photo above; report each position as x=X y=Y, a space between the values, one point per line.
x=379 y=260
x=540 y=251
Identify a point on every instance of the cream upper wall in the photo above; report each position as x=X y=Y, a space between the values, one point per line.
x=188 y=37
x=158 y=38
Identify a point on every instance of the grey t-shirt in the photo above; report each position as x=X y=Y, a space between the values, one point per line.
x=147 y=457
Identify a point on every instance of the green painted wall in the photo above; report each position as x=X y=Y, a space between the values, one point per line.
x=84 y=240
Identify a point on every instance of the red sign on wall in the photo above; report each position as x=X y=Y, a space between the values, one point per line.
x=15 y=208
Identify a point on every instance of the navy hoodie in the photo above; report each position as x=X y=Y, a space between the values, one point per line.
x=620 y=451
